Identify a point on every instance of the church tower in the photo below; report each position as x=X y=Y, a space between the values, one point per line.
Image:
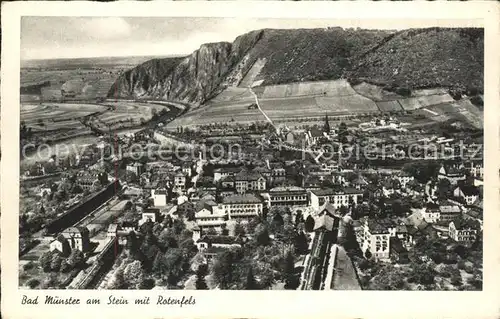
x=326 y=127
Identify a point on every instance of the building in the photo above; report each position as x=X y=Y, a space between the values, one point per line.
x=179 y=181
x=218 y=241
x=404 y=178
x=245 y=206
x=374 y=237
x=338 y=198
x=328 y=219
x=149 y=214
x=78 y=238
x=223 y=172
x=112 y=231
x=314 y=135
x=288 y=196
x=431 y=214
x=87 y=180
x=210 y=215
x=462 y=231
x=160 y=197
x=475 y=169
x=453 y=173
x=398 y=251
x=249 y=181
x=468 y=193
x=186 y=169
x=448 y=212
x=136 y=168
x=61 y=245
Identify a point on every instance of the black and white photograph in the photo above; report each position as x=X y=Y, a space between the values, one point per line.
x=249 y=154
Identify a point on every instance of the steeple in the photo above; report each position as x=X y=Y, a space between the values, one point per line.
x=326 y=128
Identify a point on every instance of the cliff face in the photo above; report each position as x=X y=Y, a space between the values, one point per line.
x=192 y=79
x=412 y=58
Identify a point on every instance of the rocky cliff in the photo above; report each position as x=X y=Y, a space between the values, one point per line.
x=415 y=58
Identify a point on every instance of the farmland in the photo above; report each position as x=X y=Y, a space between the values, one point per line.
x=310 y=101
x=222 y=112
x=80 y=79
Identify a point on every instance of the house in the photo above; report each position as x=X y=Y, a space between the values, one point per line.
x=389 y=187
x=149 y=214
x=222 y=172
x=475 y=169
x=61 y=245
x=359 y=182
x=112 y=231
x=314 y=135
x=136 y=168
x=448 y=211
x=160 y=197
x=87 y=180
x=290 y=138
x=219 y=241
x=288 y=196
x=374 y=237
x=431 y=214
x=78 y=238
x=264 y=171
x=462 y=231
x=453 y=173
x=246 y=206
x=398 y=252
x=179 y=181
x=404 y=178
x=468 y=193
x=186 y=169
x=249 y=181
x=209 y=214
x=338 y=198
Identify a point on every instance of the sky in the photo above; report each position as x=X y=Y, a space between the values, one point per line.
x=77 y=37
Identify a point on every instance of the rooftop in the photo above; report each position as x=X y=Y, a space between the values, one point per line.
x=281 y=189
x=221 y=240
x=469 y=190
x=331 y=191
x=242 y=199
x=324 y=222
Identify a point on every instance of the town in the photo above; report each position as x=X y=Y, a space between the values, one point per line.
x=333 y=205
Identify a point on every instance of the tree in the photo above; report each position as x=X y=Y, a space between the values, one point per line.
x=239 y=230
x=299 y=218
x=309 y=225
x=262 y=235
x=133 y=274
x=368 y=254
x=250 y=284
x=147 y=284
x=301 y=245
x=55 y=264
x=45 y=261
x=65 y=267
x=223 y=268
x=76 y=258
x=202 y=271
x=289 y=271
x=117 y=280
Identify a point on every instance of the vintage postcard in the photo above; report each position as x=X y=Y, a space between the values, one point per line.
x=215 y=159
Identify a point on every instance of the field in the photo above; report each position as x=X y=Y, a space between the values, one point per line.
x=319 y=88
x=313 y=100
x=219 y=113
x=54 y=116
x=87 y=79
x=389 y=106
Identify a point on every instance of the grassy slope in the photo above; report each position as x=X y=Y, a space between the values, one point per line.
x=449 y=58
